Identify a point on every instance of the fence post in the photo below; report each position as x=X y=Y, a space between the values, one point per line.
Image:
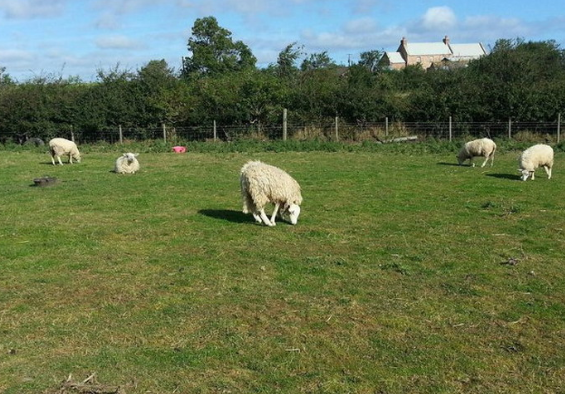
x=215 y=131
x=509 y=128
x=450 y=130
x=336 y=129
x=121 y=134
x=386 y=126
x=558 y=127
x=284 y=124
x=72 y=134
x=164 y=132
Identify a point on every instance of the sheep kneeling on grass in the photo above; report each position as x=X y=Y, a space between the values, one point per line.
x=539 y=155
x=61 y=146
x=484 y=147
x=127 y=164
x=262 y=184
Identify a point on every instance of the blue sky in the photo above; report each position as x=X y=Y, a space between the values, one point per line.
x=41 y=38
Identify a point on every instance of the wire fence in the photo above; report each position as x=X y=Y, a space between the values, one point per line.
x=330 y=131
x=337 y=131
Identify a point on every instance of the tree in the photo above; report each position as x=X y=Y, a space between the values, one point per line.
x=5 y=78
x=370 y=60
x=286 y=61
x=163 y=93
x=214 y=52
x=317 y=61
x=518 y=79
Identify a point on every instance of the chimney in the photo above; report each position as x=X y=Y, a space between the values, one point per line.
x=404 y=41
x=446 y=40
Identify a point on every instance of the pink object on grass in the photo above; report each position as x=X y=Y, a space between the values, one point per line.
x=179 y=149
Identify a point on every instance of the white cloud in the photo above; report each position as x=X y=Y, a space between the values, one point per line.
x=439 y=18
x=117 y=42
x=29 y=9
x=126 y=6
x=361 y=26
x=108 y=21
x=321 y=42
x=15 y=55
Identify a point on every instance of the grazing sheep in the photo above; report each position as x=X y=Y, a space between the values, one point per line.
x=534 y=157
x=34 y=142
x=262 y=183
x=484 y=147
x=61 y=146
x=127 y=164
x=24 y=139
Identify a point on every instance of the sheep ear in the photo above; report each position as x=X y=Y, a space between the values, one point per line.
x=136 y=154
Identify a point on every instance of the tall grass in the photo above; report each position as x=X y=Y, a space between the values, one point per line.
x=405 y=273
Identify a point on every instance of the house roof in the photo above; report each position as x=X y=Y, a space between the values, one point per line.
x=427 y=49
x=468 y=50
x=395 y=57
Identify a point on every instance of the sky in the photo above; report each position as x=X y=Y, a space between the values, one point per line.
x=78 y=38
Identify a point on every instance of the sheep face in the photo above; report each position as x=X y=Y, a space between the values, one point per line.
x=293 y=211
x=525 y=174
x=76 y=156
x=130 y=157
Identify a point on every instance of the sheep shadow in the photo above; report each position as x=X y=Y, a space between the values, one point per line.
x=507 y=176
x=444 y=163
x=227 y=214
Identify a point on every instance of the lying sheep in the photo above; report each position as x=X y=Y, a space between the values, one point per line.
x=61 y=146
x=534 y=157
x=127 y=164
x=262 y=183
x=484 y=147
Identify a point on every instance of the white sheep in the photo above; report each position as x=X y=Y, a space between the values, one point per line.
x=127 y=164
x=61 y=146
x=484 y=147
x=534 y=157
x=263 y=183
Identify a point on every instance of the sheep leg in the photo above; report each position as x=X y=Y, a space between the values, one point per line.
x=491 y=157
x=548 y=171
x=59 y=158
x=264 y=217
x=275 y=211
x=533 y=176
x=257 y=217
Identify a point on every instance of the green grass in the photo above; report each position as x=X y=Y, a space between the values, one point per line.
x=405 y=274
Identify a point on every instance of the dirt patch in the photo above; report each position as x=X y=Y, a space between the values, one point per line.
x=87 y=386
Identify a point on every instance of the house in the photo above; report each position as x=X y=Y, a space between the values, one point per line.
x=442 y=54
x=393 y=61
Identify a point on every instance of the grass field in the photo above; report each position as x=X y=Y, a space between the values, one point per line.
x=405 y=274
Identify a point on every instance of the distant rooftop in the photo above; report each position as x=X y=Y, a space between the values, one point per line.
x=428 y=48
x=467 y=50
x=395 y=57
x=429 y=53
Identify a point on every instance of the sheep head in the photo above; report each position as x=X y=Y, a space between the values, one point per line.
x=130 y=157
x=525 y=174
x=293 y=211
